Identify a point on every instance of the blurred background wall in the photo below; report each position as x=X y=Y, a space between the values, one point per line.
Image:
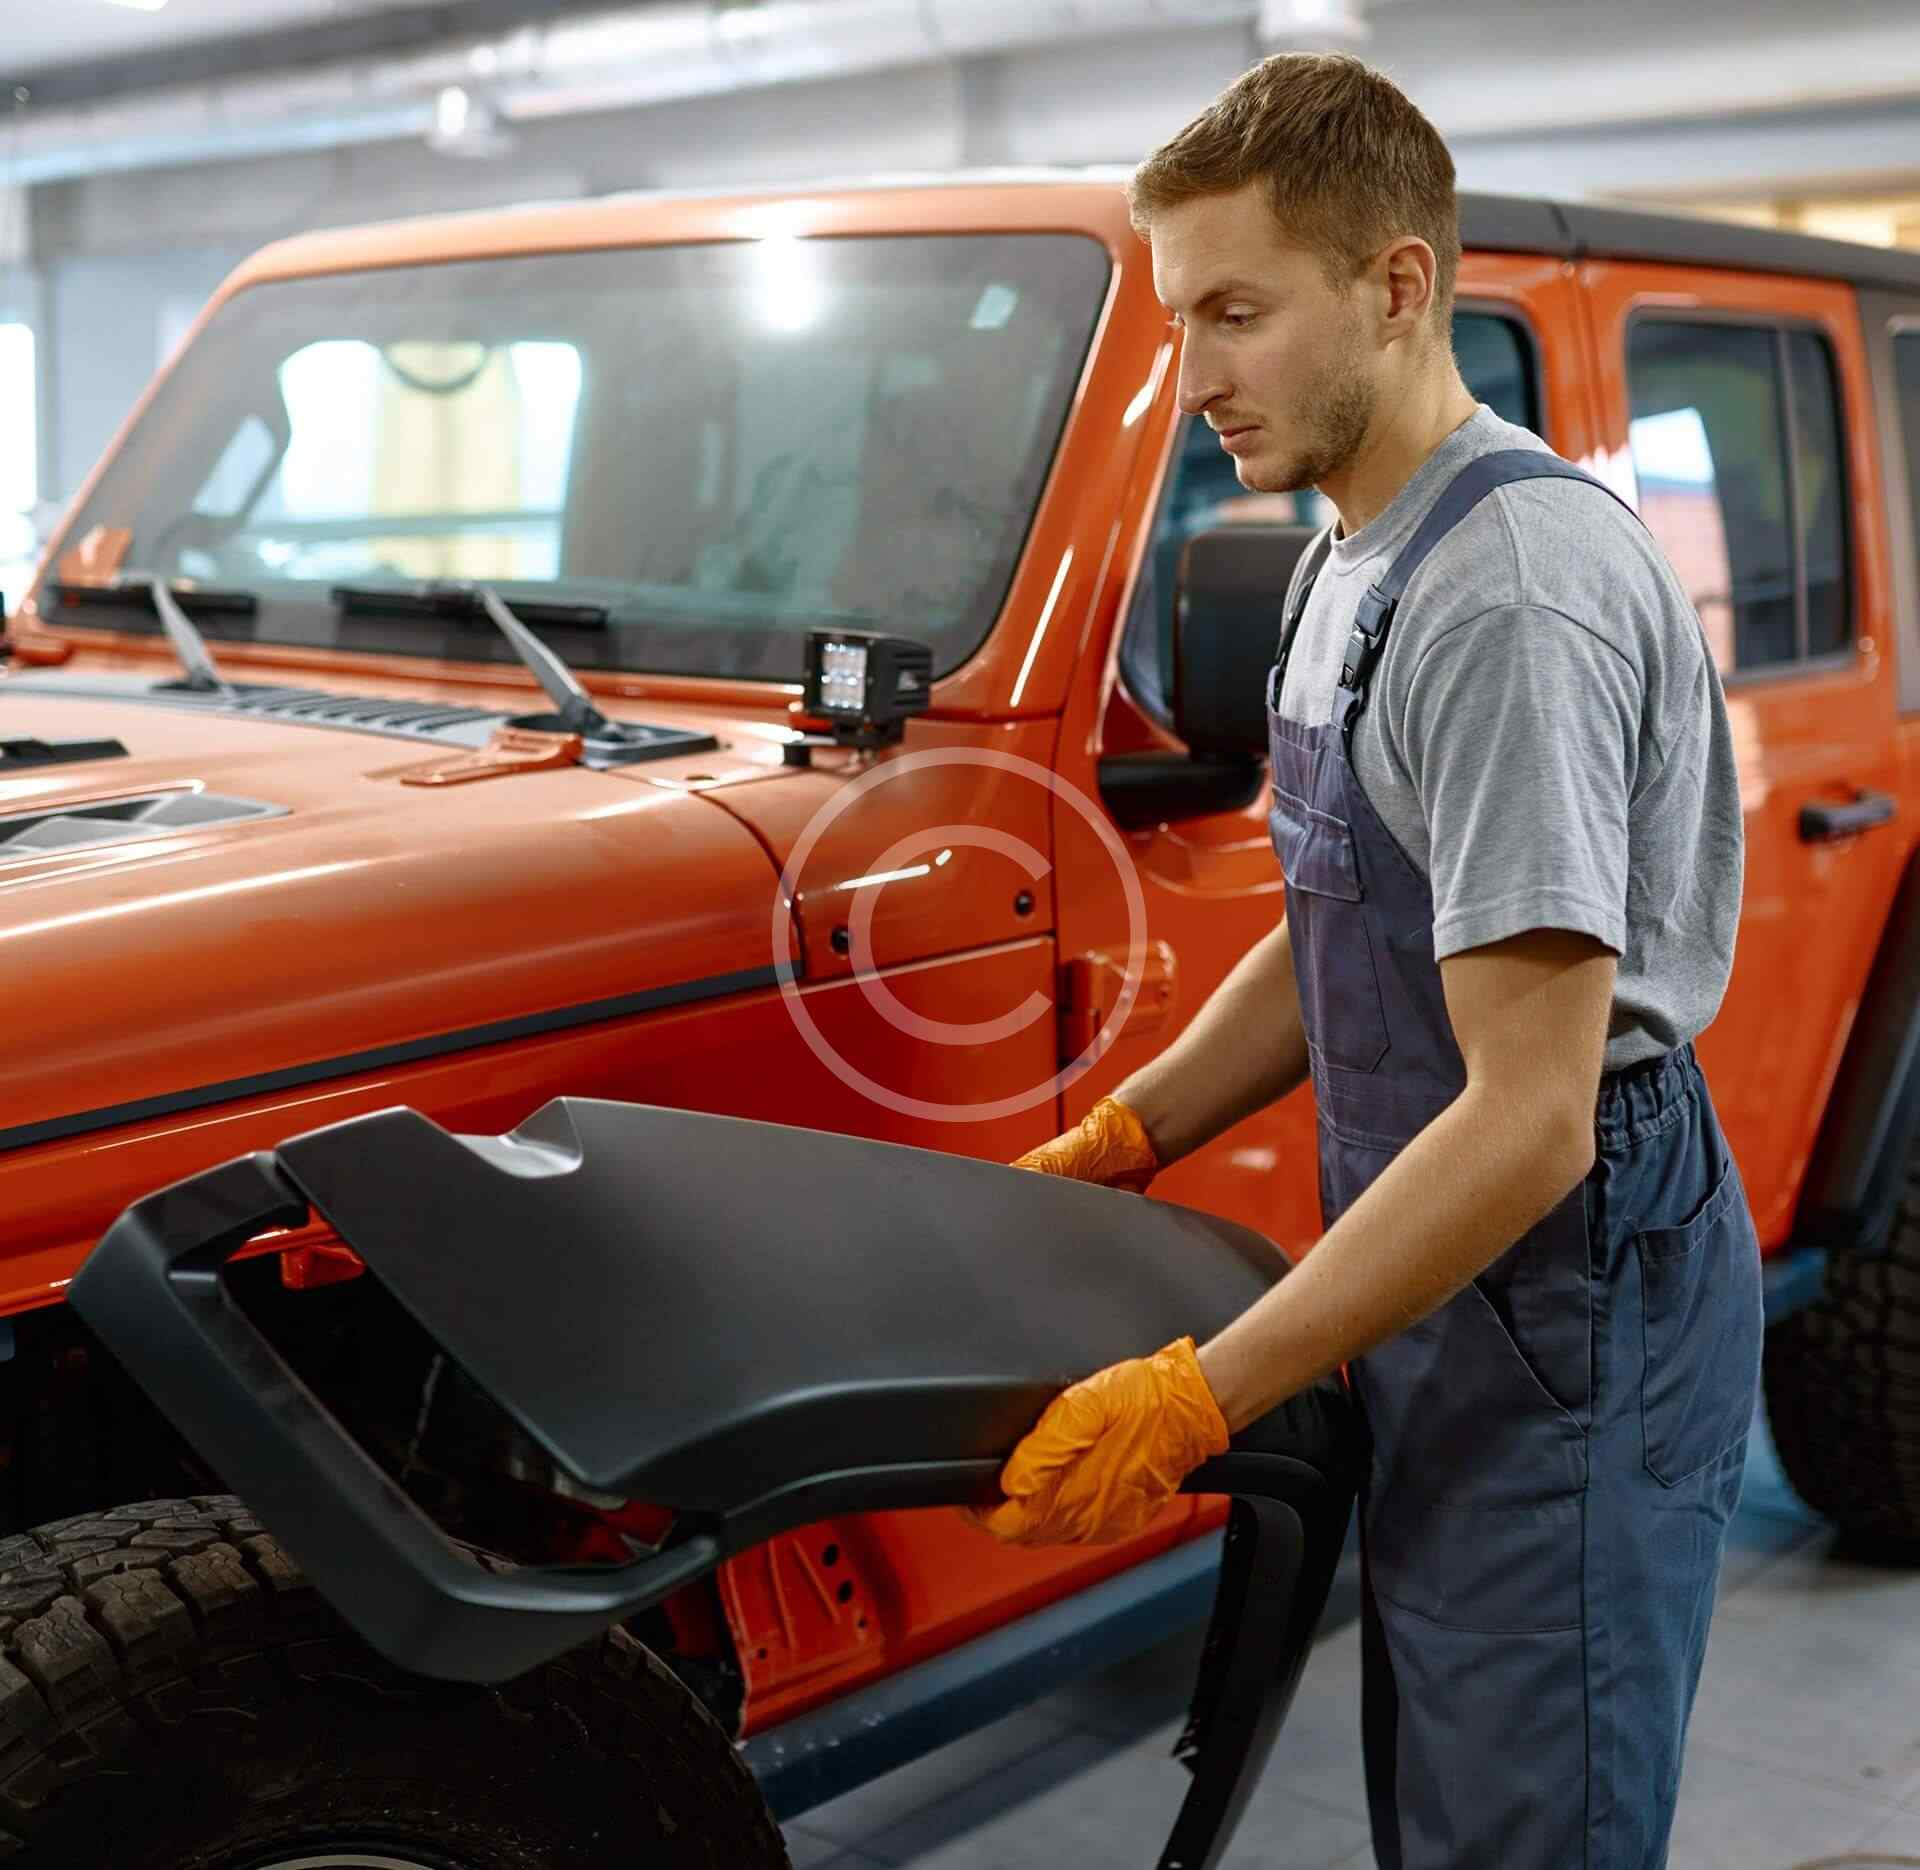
x=145 y=148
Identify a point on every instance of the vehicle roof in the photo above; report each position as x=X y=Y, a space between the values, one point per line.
x=1591 y=231
x=1496 y=223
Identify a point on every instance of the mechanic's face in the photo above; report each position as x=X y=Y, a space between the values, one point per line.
x=1273 y=356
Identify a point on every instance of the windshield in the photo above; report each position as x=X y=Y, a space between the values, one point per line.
x=724 y=446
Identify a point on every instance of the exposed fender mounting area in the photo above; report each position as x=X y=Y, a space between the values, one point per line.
x=831 y=1325
x=1859 y=1164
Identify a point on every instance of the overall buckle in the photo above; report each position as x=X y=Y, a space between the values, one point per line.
x=1363 y=646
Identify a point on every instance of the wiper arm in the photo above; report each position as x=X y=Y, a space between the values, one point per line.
x=571 y=702
x=574 y=709
x=188 y=644
x=149 y=591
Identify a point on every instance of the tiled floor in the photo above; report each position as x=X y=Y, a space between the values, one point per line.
x=1805 y=1747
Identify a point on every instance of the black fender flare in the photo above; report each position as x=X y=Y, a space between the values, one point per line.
x=1854 y=1177
x=848 y=1325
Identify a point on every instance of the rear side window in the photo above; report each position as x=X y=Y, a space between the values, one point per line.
x=1202 y=491
x=1906 y=378
x=1820 y=503
x=1737 y=448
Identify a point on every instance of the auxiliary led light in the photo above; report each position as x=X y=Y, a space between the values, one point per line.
x=863 y=687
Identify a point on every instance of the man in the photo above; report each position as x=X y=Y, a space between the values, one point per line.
x=1506 y=807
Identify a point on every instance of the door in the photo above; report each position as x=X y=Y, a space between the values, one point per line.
x=1739 y=406
x=1210 y=884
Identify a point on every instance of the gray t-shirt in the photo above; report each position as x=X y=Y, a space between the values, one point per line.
x=1545 y=734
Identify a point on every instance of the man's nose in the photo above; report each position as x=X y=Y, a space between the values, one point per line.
x=1199 y=383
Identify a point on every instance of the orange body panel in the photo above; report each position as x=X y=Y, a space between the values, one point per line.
x=371 y=913
x=1211 y=884
x=377 y=913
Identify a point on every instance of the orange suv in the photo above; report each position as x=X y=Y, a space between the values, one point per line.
x=460 y=686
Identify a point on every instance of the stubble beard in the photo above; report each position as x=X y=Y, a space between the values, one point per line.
x=1335 y=410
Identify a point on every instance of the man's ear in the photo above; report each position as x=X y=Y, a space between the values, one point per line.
x=1405 y=270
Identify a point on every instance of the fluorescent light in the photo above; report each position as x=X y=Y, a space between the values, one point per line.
x=139 y=6
x=452 y=110
x=466 y=125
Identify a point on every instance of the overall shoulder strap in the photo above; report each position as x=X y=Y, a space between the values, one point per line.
x=1311 y=561
x=1464 y=492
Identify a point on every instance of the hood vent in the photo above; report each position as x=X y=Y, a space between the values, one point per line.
x=116 y=821
x=444 y=723
x=440 y=721
x=424 y=720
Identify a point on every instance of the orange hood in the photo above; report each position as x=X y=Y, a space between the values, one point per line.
x=353 y=919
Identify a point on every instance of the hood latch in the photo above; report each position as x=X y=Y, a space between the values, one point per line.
x=511 y=750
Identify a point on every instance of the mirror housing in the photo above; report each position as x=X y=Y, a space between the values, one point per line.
x=1227 y=615
x=1228 y=599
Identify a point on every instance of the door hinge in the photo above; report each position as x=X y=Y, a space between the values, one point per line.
x=1090 y=989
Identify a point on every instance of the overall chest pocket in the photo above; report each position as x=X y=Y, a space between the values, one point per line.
x=1333 y=955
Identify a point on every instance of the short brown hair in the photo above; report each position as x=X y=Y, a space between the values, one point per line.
x=1348 y=162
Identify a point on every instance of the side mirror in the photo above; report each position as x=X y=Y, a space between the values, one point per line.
x=1227 y=606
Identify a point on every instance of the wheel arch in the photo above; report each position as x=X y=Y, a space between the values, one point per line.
x=1872 y=1118
x=77 y=1434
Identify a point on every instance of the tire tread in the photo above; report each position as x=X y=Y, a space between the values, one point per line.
x=1843 y=1390
x=123 y=1626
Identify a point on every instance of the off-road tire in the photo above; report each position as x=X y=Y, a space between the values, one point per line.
x=175 y=1696
x=1843 y=1392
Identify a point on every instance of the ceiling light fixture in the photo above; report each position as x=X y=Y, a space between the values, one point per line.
x=1311 y=25
x=452 y=112
x=139 y=6
x=466 y=125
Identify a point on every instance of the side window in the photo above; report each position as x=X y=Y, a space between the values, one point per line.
x=1496 y=364
x=1736 y=441
x=1820 y=503
x=1906 y=379
x=1202 y=491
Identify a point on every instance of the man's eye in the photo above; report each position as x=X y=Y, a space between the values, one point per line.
x=1237 y=320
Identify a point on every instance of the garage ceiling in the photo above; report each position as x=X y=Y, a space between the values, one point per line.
x=115 y=89
x=79 y=30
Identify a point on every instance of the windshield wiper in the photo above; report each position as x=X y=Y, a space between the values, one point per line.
x=149 y=592
x=461 y=602
x=135 y=590
x=574 y=709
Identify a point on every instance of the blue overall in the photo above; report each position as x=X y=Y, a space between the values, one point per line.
x=1557 y=1451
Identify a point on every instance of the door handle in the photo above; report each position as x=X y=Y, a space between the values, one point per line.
x=1825 y=819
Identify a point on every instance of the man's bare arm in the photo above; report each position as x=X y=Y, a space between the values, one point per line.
x=1246 y=1047
x=1530 y=1016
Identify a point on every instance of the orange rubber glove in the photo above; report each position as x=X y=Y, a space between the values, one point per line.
x=1109 y=1453
x=1109 y=1145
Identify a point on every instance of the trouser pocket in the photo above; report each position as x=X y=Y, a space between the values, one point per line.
x=1476 y=1747
x=1702 y=1315
x=1474 y=1499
